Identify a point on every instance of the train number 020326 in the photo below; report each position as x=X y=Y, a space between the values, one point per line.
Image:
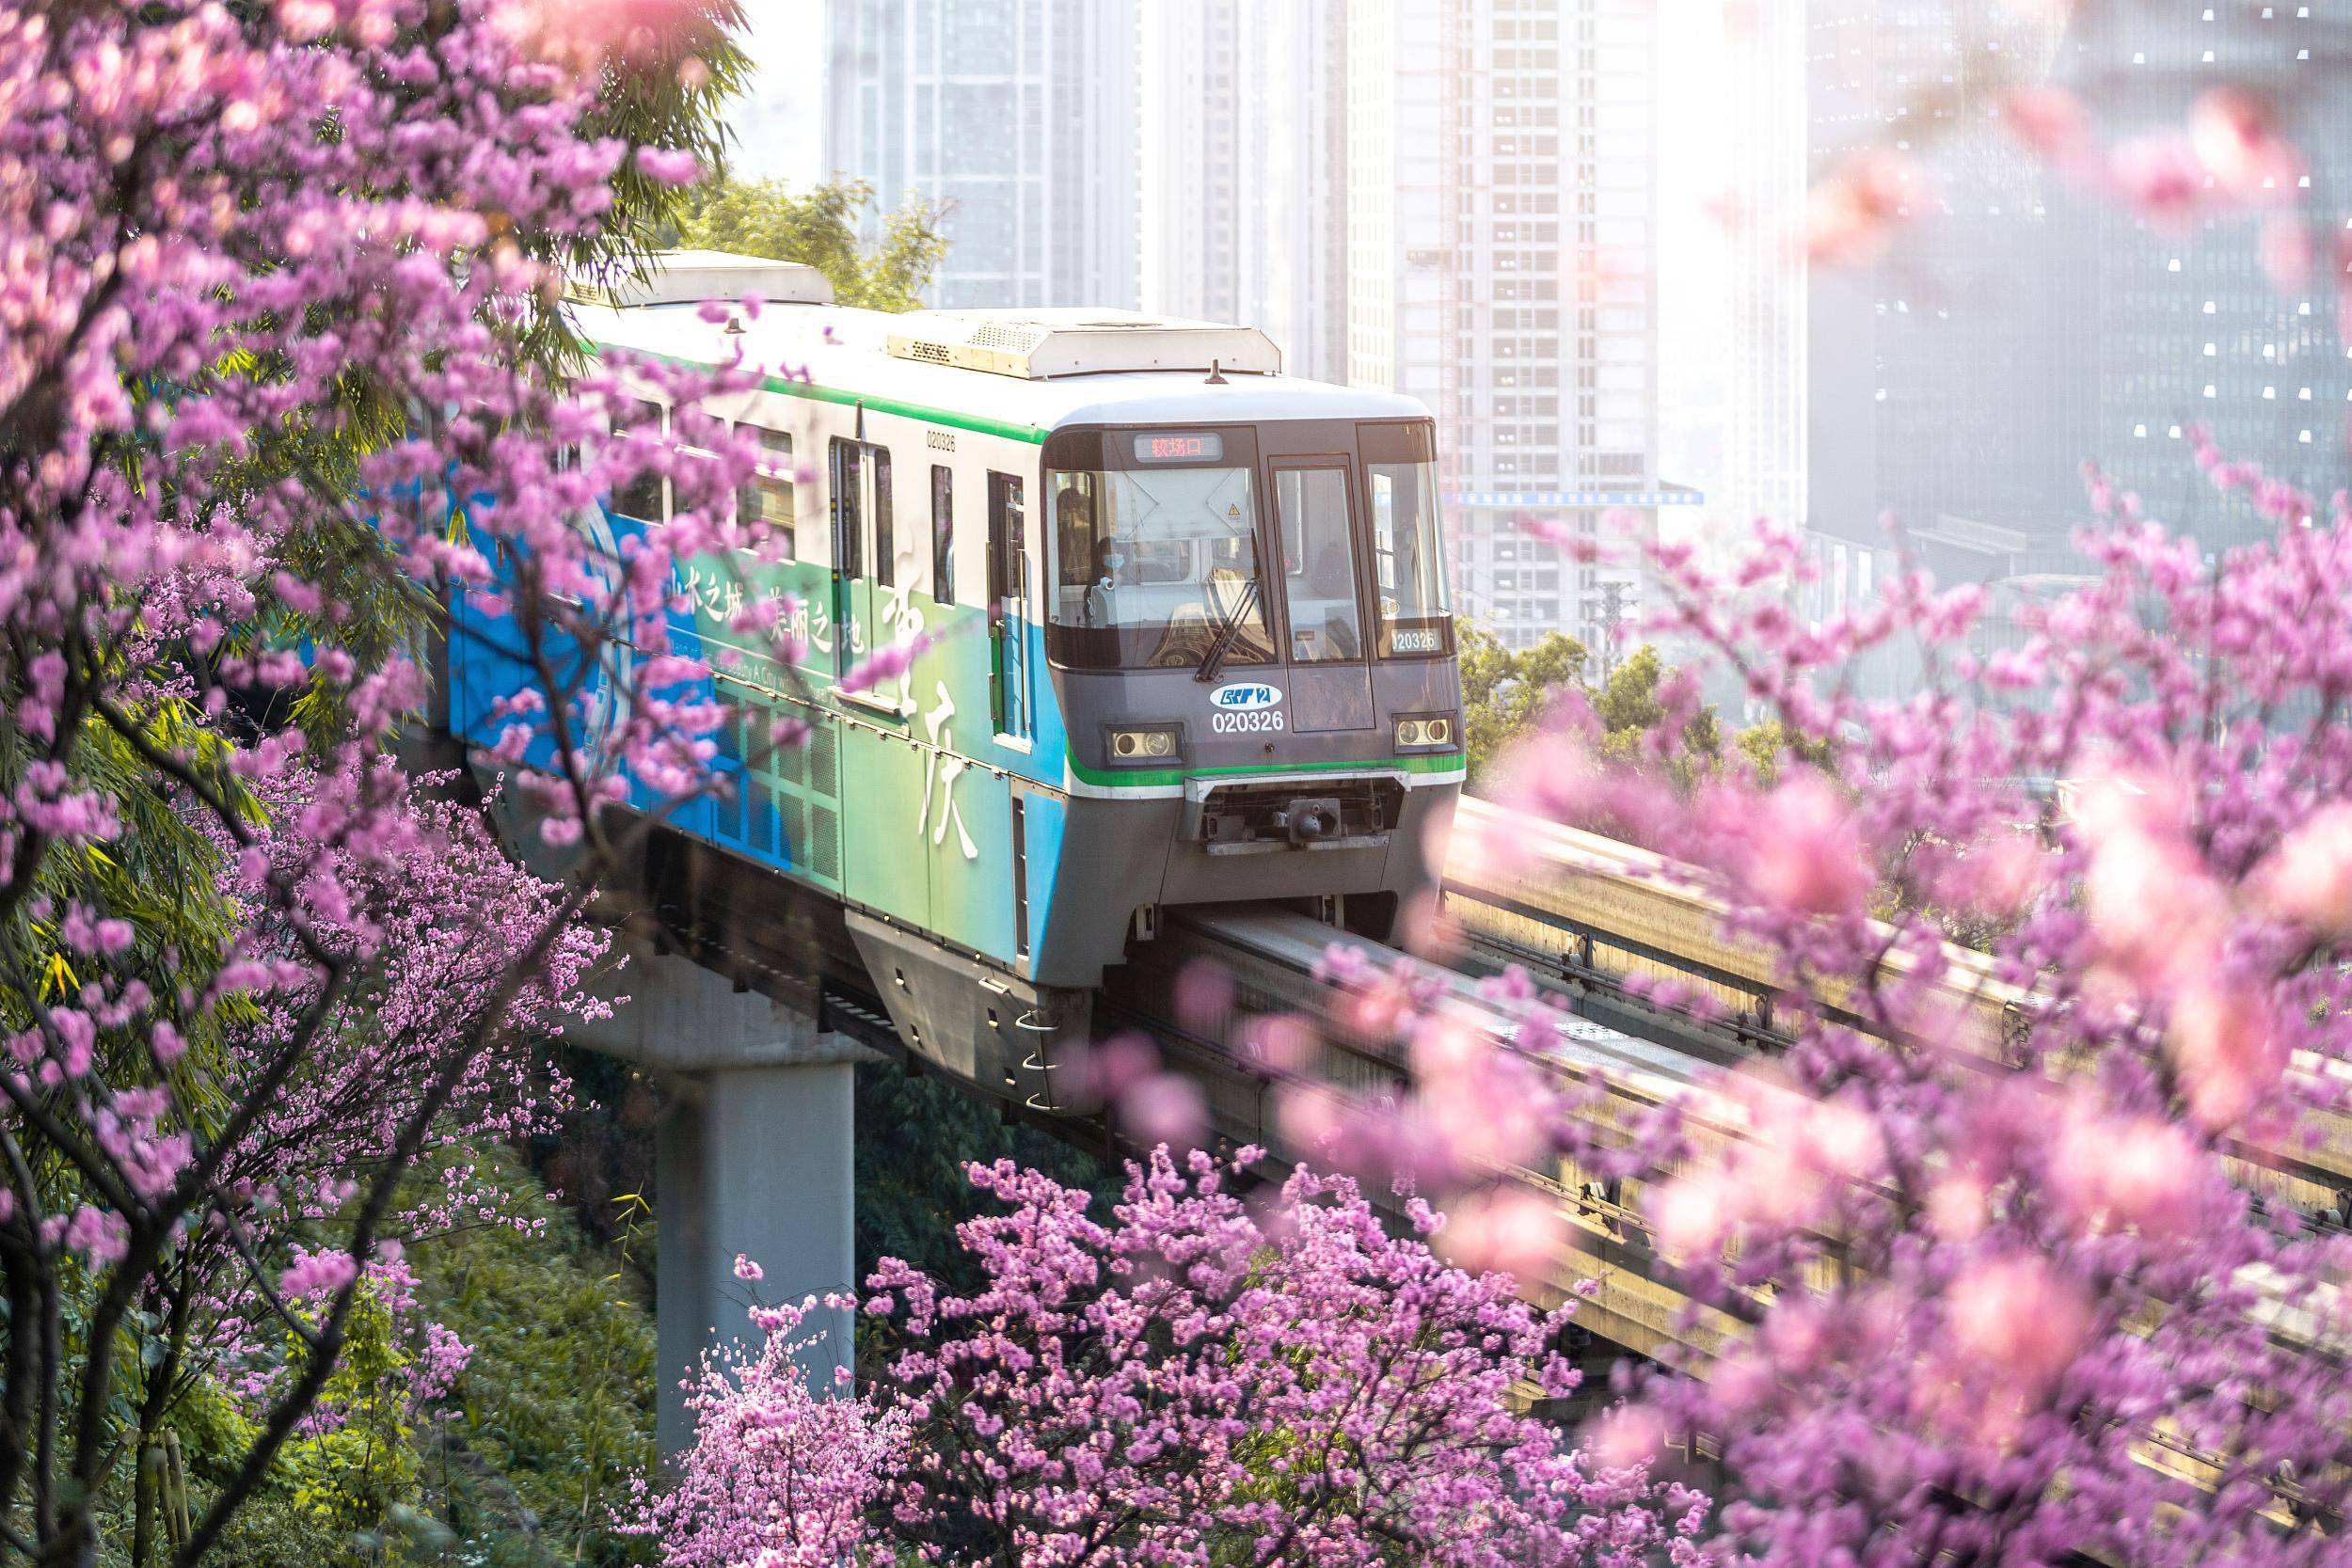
x=1238 y=723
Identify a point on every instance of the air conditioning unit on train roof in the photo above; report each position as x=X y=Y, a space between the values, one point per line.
x=1035 y=344
x=690 y=277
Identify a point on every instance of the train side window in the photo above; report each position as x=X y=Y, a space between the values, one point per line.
x=641 y=496
x=1009 y=604
x=765 y=505
x=847 y=505
x=943 y=533
x=886 y=550
x=693 y=481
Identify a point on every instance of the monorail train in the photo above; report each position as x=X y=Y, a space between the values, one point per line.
x=1190 y=640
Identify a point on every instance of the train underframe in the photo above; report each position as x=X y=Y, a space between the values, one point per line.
x=1125 y=865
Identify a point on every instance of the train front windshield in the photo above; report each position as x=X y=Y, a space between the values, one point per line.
x=1159 y=558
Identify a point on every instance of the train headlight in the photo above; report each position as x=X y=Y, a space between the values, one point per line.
x=1425 y=732
x=1157 y=744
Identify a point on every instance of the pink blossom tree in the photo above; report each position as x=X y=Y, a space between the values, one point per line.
x=1208 y=1378
x=2053 y=1284
x=2007 y=1254
x=780 y=1474
x=2010 y=1255
x=275 y=325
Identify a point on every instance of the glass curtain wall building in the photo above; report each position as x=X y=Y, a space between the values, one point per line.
x=1502 y=268
x=1244 y=170
x=2018 y=326
x=2194 y=328
x=1017 y=116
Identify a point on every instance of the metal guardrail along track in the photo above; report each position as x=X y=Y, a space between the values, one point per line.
x=1588 y=913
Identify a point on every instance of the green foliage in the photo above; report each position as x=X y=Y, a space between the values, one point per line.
x=554 y=1410
x=522 y=1464
x=275 y=1528
x=354 y=1472
x=667 y=85
x=1503 y=694
x=820 y=228
x=916 y=1136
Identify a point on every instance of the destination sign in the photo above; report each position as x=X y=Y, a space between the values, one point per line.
x=1198 y=445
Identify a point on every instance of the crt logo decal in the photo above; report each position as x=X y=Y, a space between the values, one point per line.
x=1245 y=697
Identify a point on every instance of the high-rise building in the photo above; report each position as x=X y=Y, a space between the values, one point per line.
x=2193 y=327
x=1502 y=268
x=1244 y=172
x=1948 y=382
x=1015 y=116
x=1763 y=219
x=2019 y=326
x=779 y=121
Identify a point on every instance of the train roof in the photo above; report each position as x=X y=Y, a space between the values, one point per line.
x=1016 y=371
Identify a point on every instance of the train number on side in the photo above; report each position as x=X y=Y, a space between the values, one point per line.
x=1246 y=723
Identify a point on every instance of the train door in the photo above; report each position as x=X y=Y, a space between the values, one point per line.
x=1322 y=603
x=1011 y=696
x=862 y=547
x=849 y=538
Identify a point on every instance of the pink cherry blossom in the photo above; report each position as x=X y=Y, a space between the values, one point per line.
x=2308 y=879
x=1850 y=215
x=2236 y=136
x=269 y=298
x=1123 y=1391
x=1511 y=1232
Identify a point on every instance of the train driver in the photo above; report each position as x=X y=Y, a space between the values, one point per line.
x=1098 y=562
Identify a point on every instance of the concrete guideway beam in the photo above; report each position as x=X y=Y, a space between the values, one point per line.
x=753 y=1158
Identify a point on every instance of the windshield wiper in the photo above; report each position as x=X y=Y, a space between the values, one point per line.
x=1222 y=644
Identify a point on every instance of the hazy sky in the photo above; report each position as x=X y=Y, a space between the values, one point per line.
x=782 y=120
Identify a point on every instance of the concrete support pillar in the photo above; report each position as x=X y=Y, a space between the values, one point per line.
x=753 y=1161
x=753 y=1158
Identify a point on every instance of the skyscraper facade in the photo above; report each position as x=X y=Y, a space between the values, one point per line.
x=1949 y=380
x=1502 y=268
x=1017 y=116
x=2195 y=326
x=1763 y=217
x=1244 y=170
x=2018 y=324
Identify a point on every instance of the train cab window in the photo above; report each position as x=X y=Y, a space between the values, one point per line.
x=639 y=496
x=1157 y=556
x=1318 y=563
x=1407 y=550
x=943 y=533
x=766 y=503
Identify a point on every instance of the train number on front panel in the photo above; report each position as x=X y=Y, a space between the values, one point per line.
x=1241 y=723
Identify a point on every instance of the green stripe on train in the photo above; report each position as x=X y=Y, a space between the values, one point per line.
x=787 y=387
x=1156 y=777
